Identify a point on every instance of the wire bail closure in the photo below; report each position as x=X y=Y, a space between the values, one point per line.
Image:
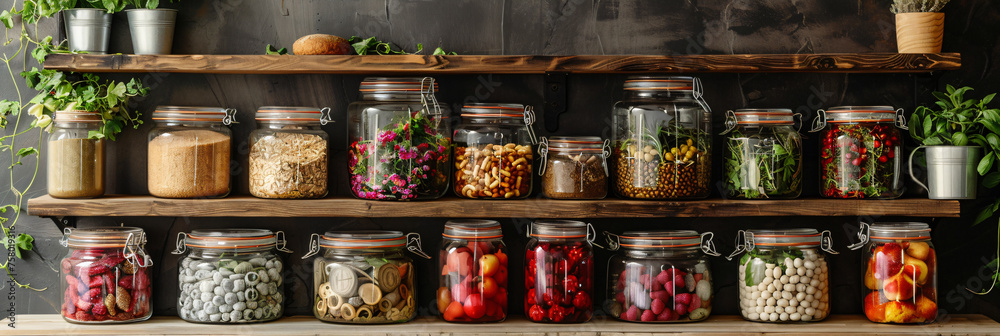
x=592 y=236
x=801 y=122
x=427 y=94
x=707 y=245
x=529 y=119
x=313 y=246
x=230 y=117
x=698 y=92
x=731 y=122
x=863 y=239
x=414 y=246
x=614 y=241
x=280 y=242
x=134 y=252
x=543 y=150
x=64 y=241
x=180 y=246
x=900 y=120
x=826 y=244
x=324 y=116
x=820 y=122
x=744 y=243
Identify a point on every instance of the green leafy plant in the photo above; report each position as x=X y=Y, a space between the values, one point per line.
x=959 y=121
x=270 y=50
x=917 y=6
x=771 y=167
x=372 y=46
x=33 y=10
x=147 y=4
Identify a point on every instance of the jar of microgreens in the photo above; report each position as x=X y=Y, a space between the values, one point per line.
x=763 y=157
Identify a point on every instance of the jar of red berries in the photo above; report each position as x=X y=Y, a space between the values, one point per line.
x=860 y=151
x=473 y=285
x=105 y=277
x=559 y=272
x=660 y=276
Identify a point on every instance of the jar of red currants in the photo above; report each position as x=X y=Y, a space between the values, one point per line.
x=105 y=276
x=473 y=272
x=860 y=151
x=559 y=272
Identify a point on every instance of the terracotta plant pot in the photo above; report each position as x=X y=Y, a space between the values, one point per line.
x=919 y=32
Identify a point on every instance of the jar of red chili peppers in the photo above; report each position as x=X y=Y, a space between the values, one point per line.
x=559 y=272
x=860 y=151
x=473 y=272
x=105 y=276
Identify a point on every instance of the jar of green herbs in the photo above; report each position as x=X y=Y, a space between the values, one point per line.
x=763 y=157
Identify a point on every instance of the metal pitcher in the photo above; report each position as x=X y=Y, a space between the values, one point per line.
x=951 y=171
x=88 y=29
x=152 y=30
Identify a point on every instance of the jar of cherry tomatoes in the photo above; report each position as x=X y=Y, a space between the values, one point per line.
x=860 y=151
x=559 y=272
x=900 y=272
x=660 y=276
x=105 y=276
x=473 y=285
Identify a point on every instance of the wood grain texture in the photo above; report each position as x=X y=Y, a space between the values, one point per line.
x=519 y=64
x=307 y=325
x=246 y=206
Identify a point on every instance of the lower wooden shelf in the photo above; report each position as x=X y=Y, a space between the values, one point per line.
x=450 y=207
x=50 y=324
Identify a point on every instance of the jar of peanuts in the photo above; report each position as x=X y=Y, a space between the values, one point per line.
x=493 y=151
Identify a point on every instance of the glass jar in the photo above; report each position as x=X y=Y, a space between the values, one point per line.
x=364 y=277
x=660 y=276
x=105 y=277
x=574 y=167
x=189 y=152
x=473 y=264
x=493 y=153
x=763 y=154
x=860 y=152
x=399 y=144
x=783 y=277
x=288 y=153
x=75 y=159
x=230 y=276
x=662 y=139
x=900 y=273
x=559 y=272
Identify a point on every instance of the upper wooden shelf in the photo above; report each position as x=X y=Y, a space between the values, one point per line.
x=505 y=64
x=247 y=206
x=715 y=325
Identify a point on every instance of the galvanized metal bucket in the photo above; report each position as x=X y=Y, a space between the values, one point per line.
x=88 y=29
x=152 y=30
x=951 y=171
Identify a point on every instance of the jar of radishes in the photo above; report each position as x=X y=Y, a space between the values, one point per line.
x=559 y=272
x=660 y=276
x=900 y=273
x=783 y=277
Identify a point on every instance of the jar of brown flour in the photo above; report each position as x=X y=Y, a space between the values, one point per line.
x=188 y=155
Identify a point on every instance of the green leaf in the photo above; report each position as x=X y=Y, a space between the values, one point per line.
x=270 y=50
x=933 y=141
x=994 y=141
x=24 y=242
x=117 y=90
x=986 y=163
x=928 y=126
x=152 y=4
x=986 y=213
x=26 y=151
x=991 y=180
x=7 y=18
x=959 y=139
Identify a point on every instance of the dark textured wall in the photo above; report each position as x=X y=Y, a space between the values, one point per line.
x=548 y=27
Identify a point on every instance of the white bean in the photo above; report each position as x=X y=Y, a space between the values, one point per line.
x=782 y=303
x=795 y=316
x=770 y=302
x=793 y=302
x=790 y=271
x=809 y=264
x=753 y=316
x=783 y=317
x=773 y=317
x=769 y=310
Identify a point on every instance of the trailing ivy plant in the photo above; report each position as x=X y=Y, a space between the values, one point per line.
x=56 y=91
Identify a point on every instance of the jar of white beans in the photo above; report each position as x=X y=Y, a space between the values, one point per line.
x=783 y=276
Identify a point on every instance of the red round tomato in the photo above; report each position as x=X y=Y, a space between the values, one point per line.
x=474 y=307
x=454 y=311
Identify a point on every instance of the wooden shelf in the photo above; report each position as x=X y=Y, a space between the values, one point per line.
x=307 y=325
x=505 y=64
x=247 y=206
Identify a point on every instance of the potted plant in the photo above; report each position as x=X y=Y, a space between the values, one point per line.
x=152 y=28
x=919 y=25
x=954 y=134
x=87 y=22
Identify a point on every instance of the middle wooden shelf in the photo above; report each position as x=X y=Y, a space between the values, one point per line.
x=247 y=206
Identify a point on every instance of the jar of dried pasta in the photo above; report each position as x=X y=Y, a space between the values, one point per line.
x=188 y=153
x=288 y=152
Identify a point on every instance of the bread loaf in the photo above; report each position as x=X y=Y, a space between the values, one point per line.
x=321 y=44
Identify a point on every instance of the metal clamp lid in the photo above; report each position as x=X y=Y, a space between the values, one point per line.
x=744 y=243
x=529 y=120
x=591 y=235
x=313 y=246
x=614 y=241
x=820 y=122
x=827 y=243
x=707 y=245
x=414 y=246
x=698 y=92
x=134 y=251
x=427 y=95
x=543 y=150
x=230 y=117
x=731 y=122
x=900 y=120
x=64 y=241
x=863 y=234
x=280 y=242
x=324 y=116
x=180 y=246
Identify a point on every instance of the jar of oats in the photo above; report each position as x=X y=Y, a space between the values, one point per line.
x=75 y=160
x=288 y=152
x=188 y=153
